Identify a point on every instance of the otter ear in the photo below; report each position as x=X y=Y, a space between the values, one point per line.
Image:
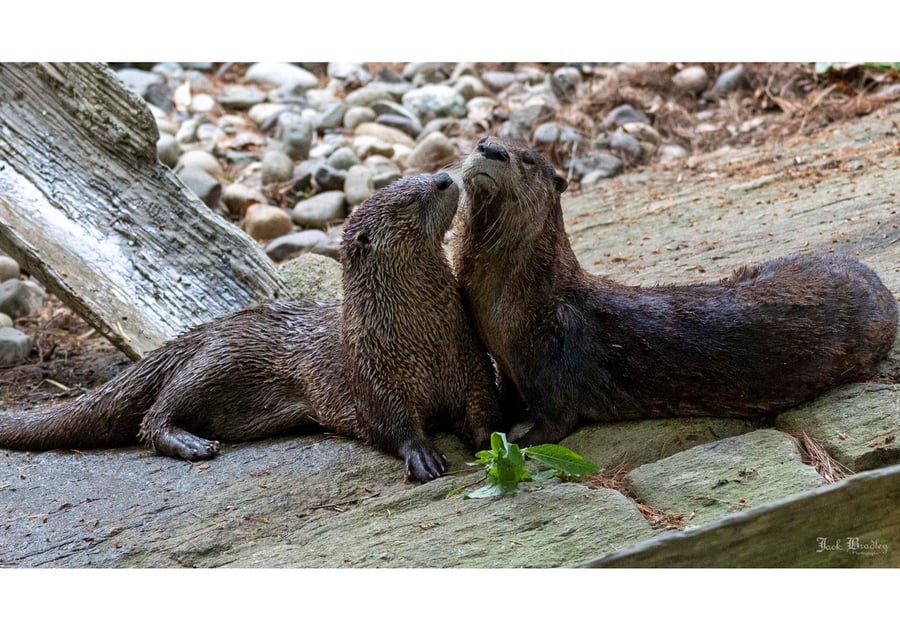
x=560 y=184
x=361 y=242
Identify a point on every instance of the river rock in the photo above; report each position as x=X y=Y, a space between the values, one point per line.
x=364 y=97
x=523 y=119
x=264 y=222
x=366 y=146
x=622 y=115
x=276 y=167
x=470 y=87
x=312 y=276
x=167 y=149
x=320 y=210
x=264 y=112
x=202 y=184
x=241 y=97
x=9 y=269
x=625 y=144
x=342 y=159
x=355 y=116
x=403 y=123
x=295 y=132
x=285 y=75
x=709 y=481
x=15 y=346
x=296 y=243
x=435 y=101
x=199 y=159
x=202 y=103
x=671 y=152
x=139 y=81
x=732 y=79
x=359 y=185
x=432 y=153
x=691 y=79
x=348 y=72
x=385 y=134
x=20 y=298
x=565 y=80
x=858 y=424
x=6 y=321
x=498 y=80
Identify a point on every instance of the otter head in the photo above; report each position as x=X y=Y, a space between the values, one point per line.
x=510 y=184
x=409 y=214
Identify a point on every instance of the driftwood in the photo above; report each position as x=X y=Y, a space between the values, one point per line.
x=86 y=207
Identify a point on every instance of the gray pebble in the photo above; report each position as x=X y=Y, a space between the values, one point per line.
x=565 y=80
x=623 y=114
x=550 y=132
x=328 y=178
x=383 y=179
x=15 y=346
x=320 y=210
x=348 y=72
x=379 y=164
x=264 y=112
x=285 y=75
x=296 y=243
x=432 y=153
x=367 y=146
x=498 y=80
x=671 y=152
x=202 y=103
x=359 y=185
x=331 y=116
x=202 y=184
x=169 y=69
x=9 y=269
x=594 y=162
x=5 y=321
x=625 y=143
x=732 y=79
x=199 y=159
x=241 y=97
x=435 y=101
x=208 y=131
x=394 y=89
x=523 y=120
x=264 y=222
x=342 y=159
x=296 y=133
x=426 y=71
x=691 y=79
x=276 y=167
x=167 y=149
x=355 y=116
x=470 y=87
x=643 y=132
x=20 y=298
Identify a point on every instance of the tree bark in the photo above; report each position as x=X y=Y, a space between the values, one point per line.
x=86 y=208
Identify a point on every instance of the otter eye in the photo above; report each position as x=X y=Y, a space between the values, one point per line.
x=527 y=158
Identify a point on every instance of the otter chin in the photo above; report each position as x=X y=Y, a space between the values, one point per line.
x=576 y=348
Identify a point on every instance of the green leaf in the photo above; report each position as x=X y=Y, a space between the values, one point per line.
x=489 y=489
x=562 y=459
x=498 y=442
x=544 y=475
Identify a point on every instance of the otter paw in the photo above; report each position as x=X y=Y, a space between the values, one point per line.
x=423 y=462
x=183 y=445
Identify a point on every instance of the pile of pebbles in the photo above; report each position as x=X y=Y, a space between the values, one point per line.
x=289 y=150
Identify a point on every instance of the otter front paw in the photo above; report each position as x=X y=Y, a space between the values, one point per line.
x=423 y=461
x=180 y=444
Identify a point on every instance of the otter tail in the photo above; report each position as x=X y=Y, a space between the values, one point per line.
x=105 y=417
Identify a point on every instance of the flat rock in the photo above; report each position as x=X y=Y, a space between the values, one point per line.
x=858 y=424
x=312 y=277
x=645 y=441
x=709 y=481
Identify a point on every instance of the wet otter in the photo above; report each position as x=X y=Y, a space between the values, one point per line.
x=581 y=348
x=397 y=353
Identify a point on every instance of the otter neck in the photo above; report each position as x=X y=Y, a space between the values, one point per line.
x=510 y=289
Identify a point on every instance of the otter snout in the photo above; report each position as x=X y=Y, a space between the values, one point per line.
x=493 y=151
x=443 y=181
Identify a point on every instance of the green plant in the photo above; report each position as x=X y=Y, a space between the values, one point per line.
x=505 y=465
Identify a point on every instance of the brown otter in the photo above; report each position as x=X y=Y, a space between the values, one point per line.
x=581 y=348
x=397 y=353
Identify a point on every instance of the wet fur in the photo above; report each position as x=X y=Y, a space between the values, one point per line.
x=578 y=348
x=396 y=355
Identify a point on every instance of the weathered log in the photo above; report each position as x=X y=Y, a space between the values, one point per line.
x=86 y=207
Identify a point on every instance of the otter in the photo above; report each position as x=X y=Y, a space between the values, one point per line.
x=398 y=353
x=575 y=348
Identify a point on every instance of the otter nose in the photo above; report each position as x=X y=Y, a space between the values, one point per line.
x=443 y=181
x=493 y=151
